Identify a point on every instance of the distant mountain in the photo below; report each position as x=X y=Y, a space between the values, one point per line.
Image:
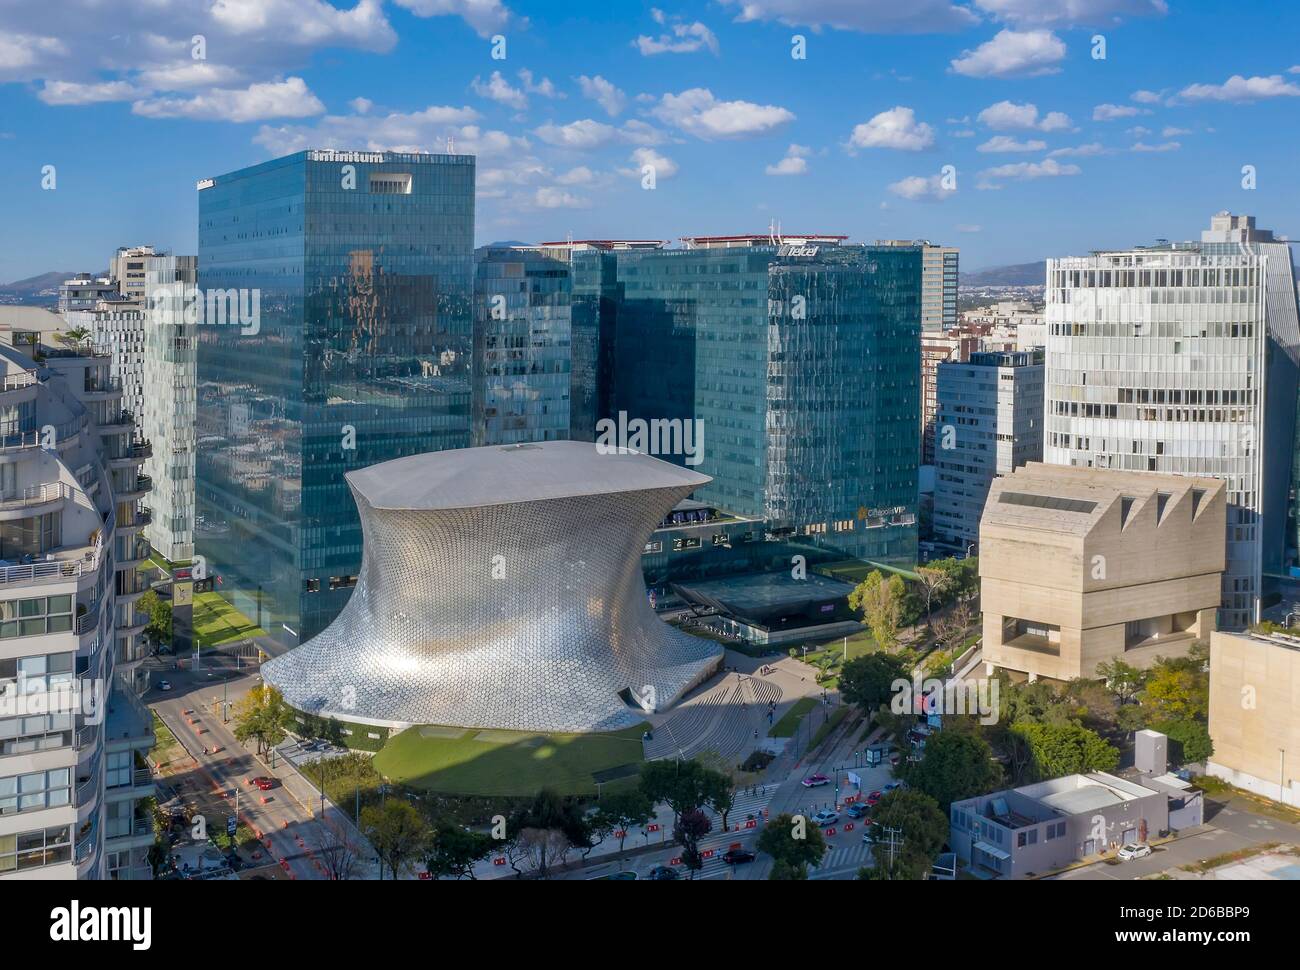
x=1021 y=274
x=42 y=290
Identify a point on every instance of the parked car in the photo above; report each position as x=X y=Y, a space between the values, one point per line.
x=826 y=817
x=1134 y=850
x=815 y=781
x=735 y=857
x=264 y=783
x=164 y=685
x=663 y=873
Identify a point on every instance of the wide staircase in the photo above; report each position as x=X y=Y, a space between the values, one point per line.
x=721 y=719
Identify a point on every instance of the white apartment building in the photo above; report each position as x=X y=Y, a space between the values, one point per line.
x=989 y=422
x=73 y=779
x=153 y=350
x=939 y=272
x=1183 y=358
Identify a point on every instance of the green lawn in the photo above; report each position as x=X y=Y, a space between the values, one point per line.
x=855 y=571
x=789 y=723
x=216 y=621
x=457 y=762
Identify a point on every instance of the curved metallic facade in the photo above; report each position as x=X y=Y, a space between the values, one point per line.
x=479 y=607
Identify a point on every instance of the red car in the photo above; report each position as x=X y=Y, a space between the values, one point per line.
x=264 y=783
x=873 y=798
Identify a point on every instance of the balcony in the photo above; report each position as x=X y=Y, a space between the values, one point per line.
x=39 y=438
x=13 y=382
x=36 y=495
x=128 y=720
x=133 y=454
x=117 y=422
x=88 y=622
x=87 y=841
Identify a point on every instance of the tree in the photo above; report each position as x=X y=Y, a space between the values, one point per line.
x=782 y=871
x=933 y=583
x=336 y=852
x=719 y=793
x=620 y=811
x=918 y=828
x=1178 y=689
x=955 y=766
x=692 y=826
x=1122 y=679
x=452 y=851
x=868 y=681
x=547 y=828
x=261 y=715
x=881 y=603
x=74 y=336
x=792 y=843
x=160 y=616
x=680 y=784
x=396 y=830
x=1052 y=750
x=1191 y=736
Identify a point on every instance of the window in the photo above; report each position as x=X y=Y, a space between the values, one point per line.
x=342 y=582
x=39 y=732
x=31 y=850
x=118 y=769
x=34 y=791
x=311 y=585
x=39 y=673
x=35 y=617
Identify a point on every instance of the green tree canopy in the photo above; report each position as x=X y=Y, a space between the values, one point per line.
x=397 y=832
x=915 y=819
x=881 y=602
x=452 y=851
x=794 y=845
x=868 y=680
x=956 y=765
x=1043 y=751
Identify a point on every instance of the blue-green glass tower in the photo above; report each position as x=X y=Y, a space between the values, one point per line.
x=803 y=365
x=362 y=263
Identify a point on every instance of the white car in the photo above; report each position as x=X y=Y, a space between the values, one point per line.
x=825 y=817
x=1134 y=850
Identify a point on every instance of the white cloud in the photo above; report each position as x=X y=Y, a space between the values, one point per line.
x=683 y=38
x=795 y=162
x=896 y=128
x=1013 y=53
x=68 y=92
x=1069 y=13
x=289 y=98
x=1238 y=88
x=485 y=16
x=1147 y=97
x=1005 y=143
x=1023 y=171
x=603 y=93
x=1092 y=148
x=423 y=131
x=865 y=16
x=361 y=105
x=920 y=188
x=1169 y=146
x=1009 y=116
x=697 y=112
x=183 y=75
x=312 y=23
x=1169 y=131
x=19 y=51
x=544 y=87
x=664 y=167
x=1138 y=131
x=1110 y=112
x=581 y=135
x=581 y=175
x=549 y=197
x=498 y=89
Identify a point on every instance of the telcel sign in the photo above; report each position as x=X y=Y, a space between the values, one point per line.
x=797 y=251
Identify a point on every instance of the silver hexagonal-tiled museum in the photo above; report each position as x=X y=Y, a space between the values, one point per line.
x=501 y=587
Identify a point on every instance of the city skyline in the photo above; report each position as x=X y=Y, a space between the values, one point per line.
x=1007 y=94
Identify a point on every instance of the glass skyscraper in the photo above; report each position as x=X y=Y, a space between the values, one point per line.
x=801 y=363
x=353 y=275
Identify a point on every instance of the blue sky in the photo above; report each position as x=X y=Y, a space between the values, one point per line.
x=1054 y=151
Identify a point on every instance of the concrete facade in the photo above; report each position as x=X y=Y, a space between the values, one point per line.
x=1255 y=713
x=1080 y=566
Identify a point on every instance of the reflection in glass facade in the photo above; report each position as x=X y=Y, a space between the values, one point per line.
x=804 y=370
x=363 y=264
x=522 y=354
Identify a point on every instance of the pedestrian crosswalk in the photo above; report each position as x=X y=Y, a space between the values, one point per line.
x=851 y=855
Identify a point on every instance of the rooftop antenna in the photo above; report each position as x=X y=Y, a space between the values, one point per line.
x=451 y=145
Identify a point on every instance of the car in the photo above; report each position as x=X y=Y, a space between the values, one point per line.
x=735 y=857
x=892 y=785
x=663 y=873
x=264 y=783
x=874 y=798
x=164 y=685
x=1134 y=850
x=893 y=760
x=815 y=781
x=857 y=810
x=869 y=837
x=826 y=817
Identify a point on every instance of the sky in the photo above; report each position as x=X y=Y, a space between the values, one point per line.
x=1013 y=129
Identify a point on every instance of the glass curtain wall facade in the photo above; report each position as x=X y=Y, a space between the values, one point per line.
x=803 y=370
x=522 y=348
x=1178 y=360
x=363 y=262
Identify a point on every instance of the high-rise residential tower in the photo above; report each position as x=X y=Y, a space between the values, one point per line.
x=353 y=276
x=939 y=274
x=1183 y=358
x=989 y=423
x=74 y=785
